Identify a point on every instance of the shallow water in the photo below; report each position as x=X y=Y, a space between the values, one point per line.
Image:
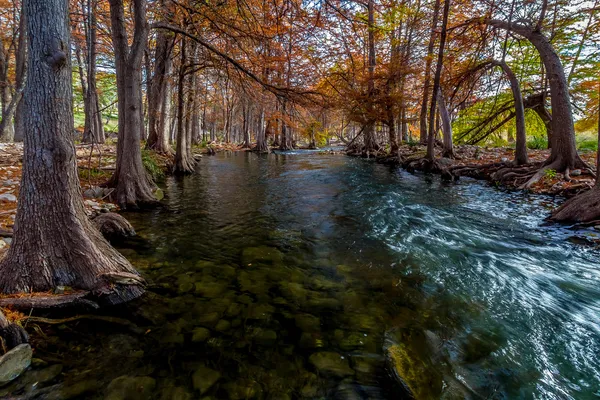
x=290 y=275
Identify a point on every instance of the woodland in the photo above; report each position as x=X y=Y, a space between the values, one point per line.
x=428 y=85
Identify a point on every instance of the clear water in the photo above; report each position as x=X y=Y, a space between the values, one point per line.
x=285 y=256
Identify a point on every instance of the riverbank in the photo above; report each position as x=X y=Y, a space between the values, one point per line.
x=484 y=163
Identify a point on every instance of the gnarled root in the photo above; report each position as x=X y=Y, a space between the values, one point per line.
x=113 y=226
x=12 y=334
x=584 y=207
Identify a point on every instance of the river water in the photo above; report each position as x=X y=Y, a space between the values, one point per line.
x=305 y=275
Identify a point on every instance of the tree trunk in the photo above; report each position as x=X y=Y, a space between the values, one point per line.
x=428 y=62
x=261 y=134
x=21 y=71
x=134 y=187
x=158 y=101
x=448 y=151
x=184 y=162
x=563 y=154
x=54 y=243
x=521 y=144
x=93 y=131
x=436 y=83
x=369 y=135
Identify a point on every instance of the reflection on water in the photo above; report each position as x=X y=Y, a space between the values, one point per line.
x=316 y=276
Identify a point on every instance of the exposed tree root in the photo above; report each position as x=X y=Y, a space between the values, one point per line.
x=113 y=226
x=48 y=301
x=11 y=334
x=584 y=207
x=113 y=320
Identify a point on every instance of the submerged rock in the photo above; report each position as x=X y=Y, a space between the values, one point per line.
x=261 y=254
x=204 y=378
x=130 y=388
x=176 y=393
x=243 y=389
x=13 y=363
x=330 y=363
x=200 y=335
x=308 y=322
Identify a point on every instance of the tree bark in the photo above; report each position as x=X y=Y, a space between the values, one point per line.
x=521 y=144
x=436 y=83
x=563 y=154
x=54 y=243
x=369 y=134
x=158 y=136
x=93 y=131
x=448 y=151
x=21 y=71
x=428 y=62
x=134 y=187
x=184 y=162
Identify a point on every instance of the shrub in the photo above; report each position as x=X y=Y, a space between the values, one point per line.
x=537 y=143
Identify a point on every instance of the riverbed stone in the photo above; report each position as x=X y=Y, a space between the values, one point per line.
x=311 y=340
x=234 y=310
x=331 y=363
x=130 y=388
x=200 y=335
x=176 y=393
x=261 y=254
x=204 y=378
x=223 y=325
x=210 y=288
x=308 y=322
x=14 y=362
x=243 y=389
x=265 y=337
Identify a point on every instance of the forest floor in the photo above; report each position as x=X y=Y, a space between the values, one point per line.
x=552 y=183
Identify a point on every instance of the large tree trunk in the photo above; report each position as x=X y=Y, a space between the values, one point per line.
x=134 y=187
x=563 y=154
x=584 y=207
x=54 y=242
x=521 y=144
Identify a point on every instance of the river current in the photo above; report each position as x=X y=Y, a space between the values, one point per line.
x=307 y=275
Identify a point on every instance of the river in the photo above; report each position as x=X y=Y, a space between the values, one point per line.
x=305 y=275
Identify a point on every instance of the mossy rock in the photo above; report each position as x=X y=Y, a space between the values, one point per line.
x=204 y=378
x=331 y=364
x=414 y=371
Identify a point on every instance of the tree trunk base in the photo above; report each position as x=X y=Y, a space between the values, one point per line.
x=113 y=226
x=584 y=207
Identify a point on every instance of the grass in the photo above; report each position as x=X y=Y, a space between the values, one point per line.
x=152 y=163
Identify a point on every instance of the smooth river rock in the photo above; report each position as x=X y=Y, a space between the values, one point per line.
x=13 y=363
x=131 y=388
x=204 y=378
x=330 y=363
